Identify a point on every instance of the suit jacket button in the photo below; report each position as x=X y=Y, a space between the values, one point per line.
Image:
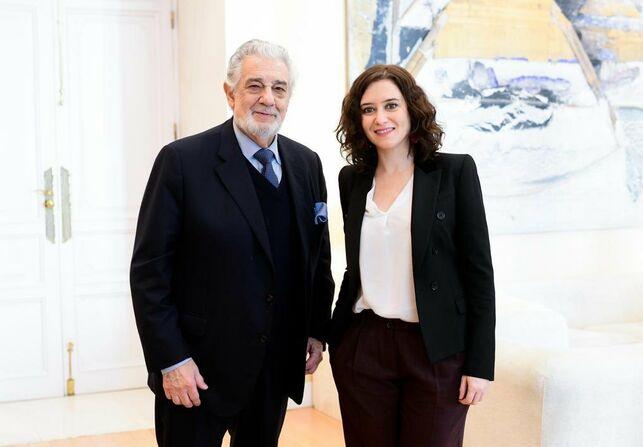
x=434 y=286
x=441 y=215
x=270 y=298
x=435 y=251
x=263 y=338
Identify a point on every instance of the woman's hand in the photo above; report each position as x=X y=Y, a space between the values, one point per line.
x=472 y=390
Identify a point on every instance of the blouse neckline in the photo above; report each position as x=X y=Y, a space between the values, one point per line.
x=371 y=206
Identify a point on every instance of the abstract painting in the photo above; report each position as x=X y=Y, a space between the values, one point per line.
x=546 y=95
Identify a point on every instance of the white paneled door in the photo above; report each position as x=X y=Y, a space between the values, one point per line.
x=92 y=98
x=30 y=312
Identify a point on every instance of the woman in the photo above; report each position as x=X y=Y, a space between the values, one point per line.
x=412 y=339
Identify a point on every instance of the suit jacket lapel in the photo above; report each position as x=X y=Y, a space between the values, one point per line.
x=302 y=200
x=425 y=195
x=232 y=169
x=354 y=218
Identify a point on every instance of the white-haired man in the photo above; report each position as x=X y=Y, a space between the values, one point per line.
x=230 y=275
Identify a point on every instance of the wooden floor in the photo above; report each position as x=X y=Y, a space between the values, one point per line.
x=303 y=428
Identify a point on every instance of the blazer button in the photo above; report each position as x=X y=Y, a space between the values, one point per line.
x=441 y=215
x=435 y=251
x=263 y=338
x=270 y=298
x=434 y=286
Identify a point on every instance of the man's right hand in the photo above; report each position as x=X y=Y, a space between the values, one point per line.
x=182 y=384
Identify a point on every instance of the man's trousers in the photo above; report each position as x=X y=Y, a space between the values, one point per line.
x=258 y=424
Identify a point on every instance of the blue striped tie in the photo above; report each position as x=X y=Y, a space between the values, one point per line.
x=265 y=157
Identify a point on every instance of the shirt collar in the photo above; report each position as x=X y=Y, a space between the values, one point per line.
x=249 y=147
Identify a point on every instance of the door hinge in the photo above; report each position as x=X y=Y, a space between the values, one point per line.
x=172 y=19
x=65 y=204
x=175 y=131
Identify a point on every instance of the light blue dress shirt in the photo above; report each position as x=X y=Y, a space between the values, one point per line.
x=249 y=148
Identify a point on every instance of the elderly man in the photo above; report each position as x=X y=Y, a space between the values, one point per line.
x=230 y=275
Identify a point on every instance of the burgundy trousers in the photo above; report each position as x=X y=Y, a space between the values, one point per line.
x=390 y=395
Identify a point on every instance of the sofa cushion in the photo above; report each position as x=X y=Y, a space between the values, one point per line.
x=606 y=335
x=614 y=333
x=583 y=302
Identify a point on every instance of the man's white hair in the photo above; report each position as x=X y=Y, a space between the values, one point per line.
x=261 y=48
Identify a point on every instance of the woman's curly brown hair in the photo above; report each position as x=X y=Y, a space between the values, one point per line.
x=425 y=135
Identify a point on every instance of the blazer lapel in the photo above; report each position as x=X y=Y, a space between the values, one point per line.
x=425 y=194
x=302 y=200
x=233 y=172
x=354 y=218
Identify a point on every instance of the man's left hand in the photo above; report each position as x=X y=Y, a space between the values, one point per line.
x=472 y=390
x=314 y=349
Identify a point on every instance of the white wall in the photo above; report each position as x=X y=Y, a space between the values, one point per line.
x=202 y=63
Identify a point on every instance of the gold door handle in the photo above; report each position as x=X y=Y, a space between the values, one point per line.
x=48 y=192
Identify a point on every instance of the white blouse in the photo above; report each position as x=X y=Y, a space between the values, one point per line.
x=385 y=262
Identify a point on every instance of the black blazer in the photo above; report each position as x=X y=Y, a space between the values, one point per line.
x=202 y=274
x=452 y=268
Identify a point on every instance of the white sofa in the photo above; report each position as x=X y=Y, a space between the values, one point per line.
x=569 y=368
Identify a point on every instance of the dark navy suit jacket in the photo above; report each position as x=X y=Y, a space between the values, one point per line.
x=202 y=276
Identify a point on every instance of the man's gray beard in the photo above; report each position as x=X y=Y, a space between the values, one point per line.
x=265 y=131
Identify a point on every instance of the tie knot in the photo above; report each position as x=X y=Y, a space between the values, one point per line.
x=265 y=156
